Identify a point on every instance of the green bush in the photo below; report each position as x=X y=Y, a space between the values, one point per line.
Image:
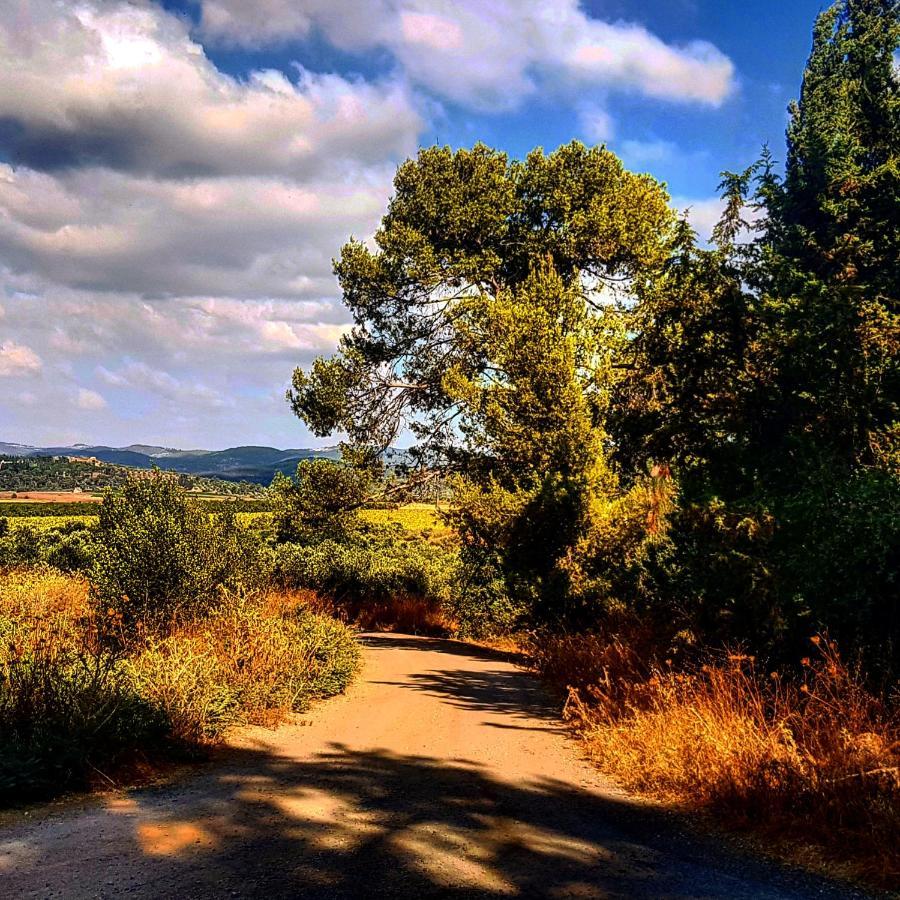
x=20 y=547
x=68 y=547
x=373 y=567
x=160 y=559
x=480 y=604
x=321 y=500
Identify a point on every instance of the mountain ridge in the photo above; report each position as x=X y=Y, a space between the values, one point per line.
x=243 y=463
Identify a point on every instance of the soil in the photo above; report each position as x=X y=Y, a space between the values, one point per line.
x=443 y=772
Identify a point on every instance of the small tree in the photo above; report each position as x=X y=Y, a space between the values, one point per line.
x=160 y=558
x=320 y=501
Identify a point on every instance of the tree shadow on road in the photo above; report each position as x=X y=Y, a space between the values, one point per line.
x=376 y=824
x=504 y=691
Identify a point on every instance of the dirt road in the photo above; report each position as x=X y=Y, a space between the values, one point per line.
x=443 y=772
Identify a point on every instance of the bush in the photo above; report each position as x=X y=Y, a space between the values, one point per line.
x=20 y=547
x=374 y=576
x=68 y=547
x=68 y=710
x=161 y=560
x=72 y=710
x=322 y=500
x=480 y=604
x=243 y=664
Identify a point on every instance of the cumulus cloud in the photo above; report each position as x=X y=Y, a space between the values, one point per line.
x=17 y=359
x=167 y=229
x=186 y=371
x=123 y=86
x=488 y=55
x=103 y=230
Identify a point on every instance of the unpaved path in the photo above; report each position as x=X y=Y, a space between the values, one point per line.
x=443 y=772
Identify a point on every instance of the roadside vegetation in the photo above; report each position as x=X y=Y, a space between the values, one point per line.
x=675 y=466
x=145 y=638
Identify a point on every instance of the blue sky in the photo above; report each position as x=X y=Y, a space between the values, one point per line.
x=175 y=177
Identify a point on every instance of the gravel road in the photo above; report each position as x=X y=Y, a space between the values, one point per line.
x=444 y=772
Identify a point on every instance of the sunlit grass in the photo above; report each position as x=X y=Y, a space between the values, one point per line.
x=419 y=518
x=813 y=759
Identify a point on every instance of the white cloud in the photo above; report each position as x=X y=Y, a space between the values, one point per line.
x=642 y=153
x=17 y=359
x=89 y=400
x=489 y=55
x=123 y=85
x=703 y=214
x=102 y=230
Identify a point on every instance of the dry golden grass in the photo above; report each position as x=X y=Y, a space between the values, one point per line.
x=40 y=595
x=400 y=613
x=814 y=761
x=66 y=693
x=253 y=661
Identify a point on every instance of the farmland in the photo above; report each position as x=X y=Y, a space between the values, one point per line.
x=418 y=518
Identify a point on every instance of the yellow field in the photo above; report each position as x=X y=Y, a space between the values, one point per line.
x=44 y=523
x=418 y=518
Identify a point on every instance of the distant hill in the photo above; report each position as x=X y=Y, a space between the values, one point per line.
x=75 y=471
x=253 y=464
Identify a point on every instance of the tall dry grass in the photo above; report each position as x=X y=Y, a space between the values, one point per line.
x=812 y=760
x=69 y=714
x=77 y=709
x=254 y=661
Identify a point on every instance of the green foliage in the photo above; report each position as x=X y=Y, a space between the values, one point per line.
x=374 y=566
x=322 y=500
x=767 y=375
x=160 y=559
x=65 y=473
x=828 y=257
x=462 y=229
x=713 y=450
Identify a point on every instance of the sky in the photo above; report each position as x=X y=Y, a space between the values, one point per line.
x=176 y=177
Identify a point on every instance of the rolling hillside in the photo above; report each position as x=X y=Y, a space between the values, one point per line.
x=253 y=464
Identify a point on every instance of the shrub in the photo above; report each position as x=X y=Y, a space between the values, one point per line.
x=818 y=756
x=480 y=604
x=69 y=548
x=160 y=559
x=375 y=576
x=243 y=664
x=20 y=547
x=68 y=710
x=73 y=710
x=322 y=500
